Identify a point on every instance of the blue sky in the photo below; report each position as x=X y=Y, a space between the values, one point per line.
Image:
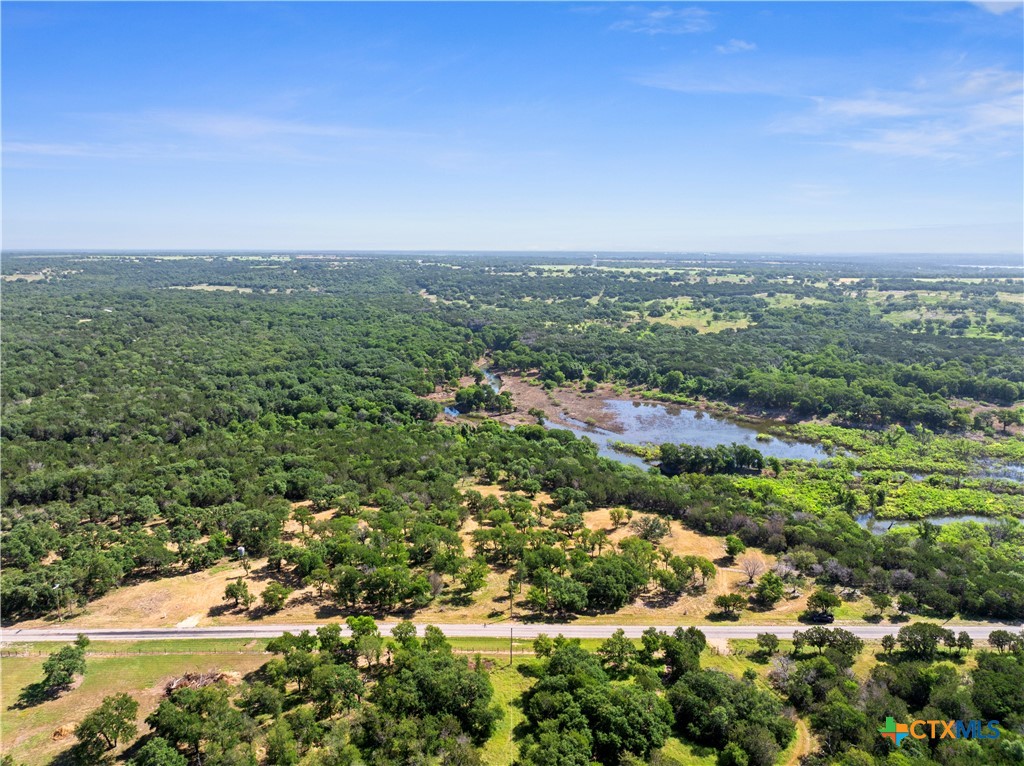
x=743 y=127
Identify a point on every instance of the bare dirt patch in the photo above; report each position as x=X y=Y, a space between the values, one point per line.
x=680 y=540
x=561 y=404
x=213 y=288
x=32 y=277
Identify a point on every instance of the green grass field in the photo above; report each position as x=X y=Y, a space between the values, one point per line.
x=30 y=733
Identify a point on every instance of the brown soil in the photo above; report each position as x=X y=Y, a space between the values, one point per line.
x=559 y=403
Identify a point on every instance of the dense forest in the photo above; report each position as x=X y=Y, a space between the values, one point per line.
x=162 y=414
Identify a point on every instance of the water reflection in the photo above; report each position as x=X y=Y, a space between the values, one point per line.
x=656 y=423
x=881 y=526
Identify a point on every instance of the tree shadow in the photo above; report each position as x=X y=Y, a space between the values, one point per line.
x=69 y=757
x=461 y=597
x=659 y=600
x=723 y=617
x=220 y=610
x=329 y=609
x=535 y=618
x=813 y=618
x=34 y=694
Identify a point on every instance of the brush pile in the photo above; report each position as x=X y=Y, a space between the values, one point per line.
x=195 y=681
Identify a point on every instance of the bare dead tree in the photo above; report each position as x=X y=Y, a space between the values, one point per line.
x=751 y=566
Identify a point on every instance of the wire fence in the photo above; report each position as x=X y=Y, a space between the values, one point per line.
x=29 y=653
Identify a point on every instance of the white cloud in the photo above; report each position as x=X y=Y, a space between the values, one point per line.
x=952 y=115
x=867 y=107
x=242 y=126
x=215 y=136
x=736 y=46
x=999 y=8
x=665 y=20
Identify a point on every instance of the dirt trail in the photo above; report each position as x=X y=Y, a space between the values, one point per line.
x=804 y=743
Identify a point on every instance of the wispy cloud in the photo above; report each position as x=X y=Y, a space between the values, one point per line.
x=869 y=105
x=954 y=115
x=735 y=46
x=243 y=126
x=958 y=113
x=211 y=136
x=127 y=150
x=665 y=20
x=1000 y=8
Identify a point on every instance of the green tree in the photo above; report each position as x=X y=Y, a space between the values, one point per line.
x=569 y=595
x=617 y=651
x=823 y=602
x=734 y=546
x=303 y=514
x=405 y=634
x=281 y=747
x=921 y=639
x=770 y=589
x=158 y=752
x=335 y=687
x=964 y=642
x=112 y=721
x=888 y=643
x=768 y=642
x=881 y=602
x=672 y=381
x=1001 y=639
x=906 y=603
x=200 y=719
x=239 y=591
x=275 y=595
x=347 y=584
x=730 y=603
x=543 y=645
x=62 y=666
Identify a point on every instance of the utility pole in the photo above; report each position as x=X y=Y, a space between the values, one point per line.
x=60 y=617
x=511 y=614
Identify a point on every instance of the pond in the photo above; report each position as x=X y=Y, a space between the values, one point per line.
x=655 y=423
x=881 y=526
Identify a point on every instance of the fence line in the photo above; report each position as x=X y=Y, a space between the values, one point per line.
x=28 y=653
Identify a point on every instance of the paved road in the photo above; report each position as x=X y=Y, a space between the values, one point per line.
x=491 y=630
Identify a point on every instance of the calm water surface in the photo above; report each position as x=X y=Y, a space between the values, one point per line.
x=881 y=526
x=655 y=423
